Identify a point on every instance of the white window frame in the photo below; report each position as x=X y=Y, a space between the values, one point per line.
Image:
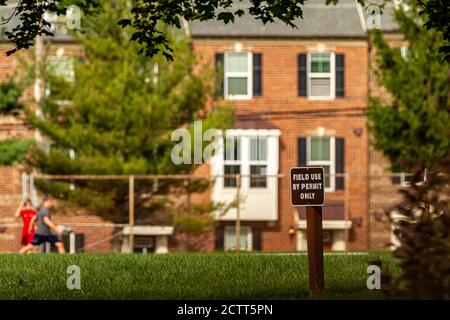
x=323 y=75
x=331 y=163
x=249 y=238
x=248 y=75
x=258 y=162
x=232 y=162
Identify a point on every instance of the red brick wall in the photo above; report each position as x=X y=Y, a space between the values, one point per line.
x=10 y=194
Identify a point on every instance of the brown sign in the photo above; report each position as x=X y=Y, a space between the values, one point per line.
x=307 y=186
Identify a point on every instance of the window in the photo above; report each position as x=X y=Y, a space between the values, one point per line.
x=230 y=182
x=232 y=160
x=238 y=71
x=258 y=182
x=245 y=238
x=320 y=76
x=258 y=162
x=404 y=52
x=320 y=153
x=247 y=153
x=61 y=67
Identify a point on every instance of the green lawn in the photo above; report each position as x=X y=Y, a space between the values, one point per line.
x=183 y=276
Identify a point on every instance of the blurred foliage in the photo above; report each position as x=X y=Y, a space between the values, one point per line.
x=422 y=227
x=10 y=94
x=112 y=111
x=411 y=127
x=14 y=150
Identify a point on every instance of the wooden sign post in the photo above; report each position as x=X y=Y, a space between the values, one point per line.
x=307 y=190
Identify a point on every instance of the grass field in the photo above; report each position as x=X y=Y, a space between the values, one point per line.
x=184 y=276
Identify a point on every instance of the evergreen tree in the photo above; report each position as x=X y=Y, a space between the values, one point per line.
x=115 y=113
x=12 y=150
x=10 y=94
x=412 y=128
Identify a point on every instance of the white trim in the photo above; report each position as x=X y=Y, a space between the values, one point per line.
x=248 y=75
x=326 y=75
x=329 y=224
x=362 y=20
x=331 y=163
x=253 y=132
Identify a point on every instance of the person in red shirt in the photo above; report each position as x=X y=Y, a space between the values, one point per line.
x=26 y=212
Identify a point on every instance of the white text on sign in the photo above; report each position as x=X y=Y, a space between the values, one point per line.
x=307 y=186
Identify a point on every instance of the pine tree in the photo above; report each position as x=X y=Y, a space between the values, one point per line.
x=412 y=129
x=115 y=116
x=13 y=150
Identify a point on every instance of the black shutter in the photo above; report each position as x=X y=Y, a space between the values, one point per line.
x=340 y=151
x=257 y=74
x=257 y=239
x=340 y=84
x=302 y=76
x=219 y=239
x=301 y=149
x=219 y=74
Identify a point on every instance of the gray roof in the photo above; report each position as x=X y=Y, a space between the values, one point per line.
x=319 y=20
x=346 y=19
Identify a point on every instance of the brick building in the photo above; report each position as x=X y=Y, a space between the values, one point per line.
x=300 y=96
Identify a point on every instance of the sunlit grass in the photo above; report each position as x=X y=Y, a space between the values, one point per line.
x=183 y=276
